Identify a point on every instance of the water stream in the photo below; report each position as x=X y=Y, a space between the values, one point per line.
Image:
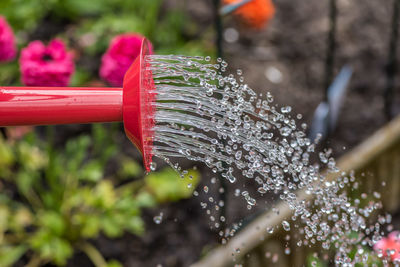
x=205 y=115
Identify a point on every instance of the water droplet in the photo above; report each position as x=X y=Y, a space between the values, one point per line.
x=274 y=75
x=205 y=115
x=286 y=225
x=238 y=155
x=158 y=219
x=275 y=258
x=153 y=166
x=286 y=109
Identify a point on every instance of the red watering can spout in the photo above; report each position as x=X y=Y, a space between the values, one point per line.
x=66 y=105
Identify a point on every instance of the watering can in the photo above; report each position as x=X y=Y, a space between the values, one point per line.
x=69 y=105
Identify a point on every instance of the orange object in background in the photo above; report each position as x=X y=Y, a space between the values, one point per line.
x=256 y=13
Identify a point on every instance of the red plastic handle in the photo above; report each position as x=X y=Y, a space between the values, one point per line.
x=59 y=105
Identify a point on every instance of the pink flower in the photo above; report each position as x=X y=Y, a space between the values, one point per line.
x=8 y=48
x=18 y=132
x=122 y=51
x=50 y=65
x=389 y=246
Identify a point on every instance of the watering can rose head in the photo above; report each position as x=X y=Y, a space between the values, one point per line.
x=123 y=50
x=254 y=13
x=50 y=65
x=390 y=244
x=8 y=48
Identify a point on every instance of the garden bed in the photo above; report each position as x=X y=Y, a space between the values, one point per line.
x=294 y=44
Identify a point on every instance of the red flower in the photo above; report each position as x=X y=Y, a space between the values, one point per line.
x=122 y=51
x=390 y=244
x=50 y=65
x=255 y=13
x=8 y=48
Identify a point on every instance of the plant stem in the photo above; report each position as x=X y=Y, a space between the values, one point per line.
x=35 y=261
x=218 y=28
x=391 y=65
x=3 y=132
x=13 y=238
x=34 y=199
x=331 y=45
x=220 y=53
x=93 y=254
x=134 y=186
x=50 y=133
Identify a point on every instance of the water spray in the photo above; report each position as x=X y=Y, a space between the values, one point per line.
x=179 y=107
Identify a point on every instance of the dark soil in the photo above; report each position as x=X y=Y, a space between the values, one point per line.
x=295 y=43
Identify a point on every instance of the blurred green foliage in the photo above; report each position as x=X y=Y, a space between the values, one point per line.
x=88 y=26
x=312 y=261
x=365 y=255
x=164 y=187
x=52 y=202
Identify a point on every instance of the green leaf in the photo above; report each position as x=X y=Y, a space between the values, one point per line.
x=76 y=151
x=31 y=157
x=52 y=222
x=135 y=225
x=105 y=194
x=22 y=218
x=80 y=76
x=8 y=72
x=23 y=14
x=103 y=144
x=9 y=255
x=102 y=30
x=4 y=218
x=72 y=9
x=62 y=251
x=373 y=259
x=91 y=226
x=100 y=134
x=145 y=199
x=6 y=154
x=111 y=227
x=92 y=171
x=167 y=185
x=130 y=168
x=25 y=181
x=312 y=261
x=51 y=247
x=114 y=263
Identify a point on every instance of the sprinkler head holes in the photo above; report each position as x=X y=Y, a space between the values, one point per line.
x=138 y=111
